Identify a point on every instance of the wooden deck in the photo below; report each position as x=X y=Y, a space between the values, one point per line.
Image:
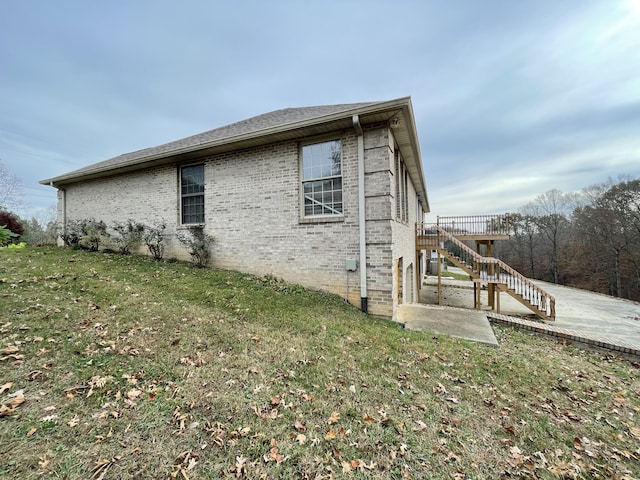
x=477 y=228
x=448 y=237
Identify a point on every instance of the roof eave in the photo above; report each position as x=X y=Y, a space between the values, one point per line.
x=415 y=158
x=259 y=136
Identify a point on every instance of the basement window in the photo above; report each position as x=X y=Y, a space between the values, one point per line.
x=322 y=179
x=192 y=194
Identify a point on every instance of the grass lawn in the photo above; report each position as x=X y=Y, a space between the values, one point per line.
x=122 y=367
x=457 y=276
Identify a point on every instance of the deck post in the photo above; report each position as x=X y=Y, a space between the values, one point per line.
x=439 y=278
x=475 y=295
x=418 y=273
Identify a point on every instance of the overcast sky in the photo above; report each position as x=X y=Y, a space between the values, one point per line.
x=511 y=98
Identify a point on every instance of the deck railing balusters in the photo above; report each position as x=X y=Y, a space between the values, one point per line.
x=438 y=237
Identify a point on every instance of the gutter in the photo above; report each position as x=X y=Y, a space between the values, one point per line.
x=411 y=129
x=361 y=215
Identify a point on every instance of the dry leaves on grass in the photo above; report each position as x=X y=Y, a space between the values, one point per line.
x=275 y=456
x=335 y=416
x=102 y=466
x=357 y=464
x=11 y=352
x=9 y=405
x=184 y=463
x=6 y=387
x=44 y=461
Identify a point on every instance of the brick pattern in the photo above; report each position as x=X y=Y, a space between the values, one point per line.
x=252 y=209
x=600 y=341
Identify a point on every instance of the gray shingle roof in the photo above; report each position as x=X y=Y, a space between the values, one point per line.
x=278 y=118
x=287 y=123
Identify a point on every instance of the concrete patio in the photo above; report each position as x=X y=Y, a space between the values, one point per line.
x=581 y=316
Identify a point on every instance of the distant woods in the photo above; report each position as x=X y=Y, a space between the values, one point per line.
x=589 y=240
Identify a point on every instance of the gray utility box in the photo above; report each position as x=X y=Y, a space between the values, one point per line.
x=351 y=264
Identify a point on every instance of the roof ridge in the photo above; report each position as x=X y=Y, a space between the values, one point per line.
x=252 y=125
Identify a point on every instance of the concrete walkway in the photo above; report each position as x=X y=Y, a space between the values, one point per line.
x=581 y=316
x=456 y=322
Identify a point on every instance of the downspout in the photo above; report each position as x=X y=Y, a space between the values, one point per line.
x=361 y=216
x=64 y=209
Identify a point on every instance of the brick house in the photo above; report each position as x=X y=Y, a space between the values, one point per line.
x=325 y=196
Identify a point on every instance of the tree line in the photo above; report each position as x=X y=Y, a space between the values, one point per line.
x=588 y=240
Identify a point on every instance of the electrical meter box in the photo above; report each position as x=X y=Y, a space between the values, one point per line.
x=351 y=264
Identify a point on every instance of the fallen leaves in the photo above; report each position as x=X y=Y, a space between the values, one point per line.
x=184 y=463
x=516 y=456
x=9 y=405
x=6 y=387
x=102 y=466
x=133 y=394
x=330 y=435
x=11 y=352
x=44 y=461
x=266 y=413
x=274 y=455
x=193 y=361
x=333 y=418
x=357 y=464
x=74 y=421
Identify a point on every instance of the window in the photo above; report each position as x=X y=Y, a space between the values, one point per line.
x=402 y=201
x=322 y=178
x=192 y=194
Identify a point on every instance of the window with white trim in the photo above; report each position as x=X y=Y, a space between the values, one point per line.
x=402 y=201
x=192 y=194
x=322 y=178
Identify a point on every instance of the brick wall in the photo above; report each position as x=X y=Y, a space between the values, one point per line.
x=252 y=209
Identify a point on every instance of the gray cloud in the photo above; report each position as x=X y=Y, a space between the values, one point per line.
x=511 y=98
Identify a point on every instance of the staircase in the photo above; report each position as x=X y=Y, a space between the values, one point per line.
x=487 y=270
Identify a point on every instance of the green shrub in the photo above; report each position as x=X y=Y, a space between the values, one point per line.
x=153 y=238
x=9 y=221
x=14 y=246
x=71 y=233
x=87 y=234
x=198 y=243
x=6 y=236
x=128 y=236
x=94 y=232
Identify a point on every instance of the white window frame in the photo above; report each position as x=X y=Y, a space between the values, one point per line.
x=182 y=195
x=325 y=216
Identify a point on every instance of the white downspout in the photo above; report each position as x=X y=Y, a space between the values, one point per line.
x=361 y=216
x=62 y=198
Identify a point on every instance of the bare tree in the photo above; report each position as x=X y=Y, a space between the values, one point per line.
x=10 y=188
x=549 y=212
x=621 y=203
x=521 y=252
x=587 y=240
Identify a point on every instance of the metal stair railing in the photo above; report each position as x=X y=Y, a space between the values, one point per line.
x=487 y=269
